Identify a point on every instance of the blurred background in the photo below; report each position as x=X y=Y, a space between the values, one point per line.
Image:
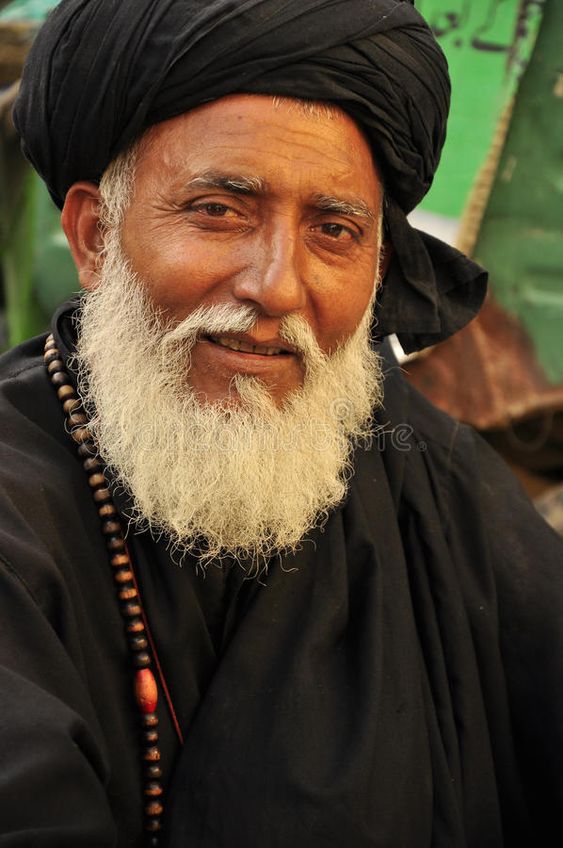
x=498 y=196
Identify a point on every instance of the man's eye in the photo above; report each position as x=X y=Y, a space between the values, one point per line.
x=214 y=210
x=338 y=232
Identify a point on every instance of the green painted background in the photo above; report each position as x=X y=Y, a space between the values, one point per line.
x=521 y=235
x=487 y=44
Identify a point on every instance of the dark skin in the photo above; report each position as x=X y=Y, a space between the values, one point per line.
x=246 y=201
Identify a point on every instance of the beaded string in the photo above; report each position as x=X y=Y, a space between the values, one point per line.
x=141 y=644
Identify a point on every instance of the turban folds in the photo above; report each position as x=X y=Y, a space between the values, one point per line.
x=102 y=71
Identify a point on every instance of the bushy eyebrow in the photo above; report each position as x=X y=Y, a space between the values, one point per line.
x=245 y=185
x=237 y=184
x=354 y=208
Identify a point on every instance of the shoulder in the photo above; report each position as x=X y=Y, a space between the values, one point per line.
x=30 y=414
x=420 y=445
x=469 y=483
x=27 y=356
x=32 y=423
x=46 y=511
x=410 y=414
x=36 y=456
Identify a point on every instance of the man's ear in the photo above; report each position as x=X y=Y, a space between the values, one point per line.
x=81 y=222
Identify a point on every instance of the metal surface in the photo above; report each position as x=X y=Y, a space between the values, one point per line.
x=487 y=375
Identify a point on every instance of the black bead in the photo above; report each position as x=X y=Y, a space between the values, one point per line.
x=138 y=642
x=107 y=510
x=151 y=754
x=51 y=355
x=86 y=450
x=80 y=434
x=92 y=464
x=127 y=591
x=153 y=789
x=60 y=379
x=150 y=737
x=123 y=575
x=120 y=560
x=111 y=527
x=65 y=393
x=71 y=405
x=131 y=609
x=153 y=842
x=102 y=495
x=154 y=808
x=142 y=659
x=97 y=480
x=76 y=419
x=55 y=365
x=153 y=825
x=153 y=772
x=115 y=543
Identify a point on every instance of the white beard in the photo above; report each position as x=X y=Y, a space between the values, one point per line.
x=242 y=478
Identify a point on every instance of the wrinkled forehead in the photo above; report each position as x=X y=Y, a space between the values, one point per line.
x=256 y=115
x=257 y=145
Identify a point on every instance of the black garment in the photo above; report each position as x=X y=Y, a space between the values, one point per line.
x=100 y=72
x=396 y=684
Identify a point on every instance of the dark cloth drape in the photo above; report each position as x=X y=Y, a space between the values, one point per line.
x=396 y=683
x=100 y=72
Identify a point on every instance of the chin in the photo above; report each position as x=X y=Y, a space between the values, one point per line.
x=227 y=395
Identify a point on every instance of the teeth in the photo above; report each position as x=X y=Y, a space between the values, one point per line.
x=244 y=347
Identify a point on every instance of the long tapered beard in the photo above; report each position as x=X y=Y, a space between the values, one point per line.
x=242 y=478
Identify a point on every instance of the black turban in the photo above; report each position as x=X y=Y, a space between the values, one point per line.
x=102 y=71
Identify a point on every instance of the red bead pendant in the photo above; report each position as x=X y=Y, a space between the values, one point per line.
x=146 y=691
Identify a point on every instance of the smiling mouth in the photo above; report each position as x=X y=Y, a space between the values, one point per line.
x=245 y=347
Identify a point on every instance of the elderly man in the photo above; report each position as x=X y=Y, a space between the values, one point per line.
x=254 y=591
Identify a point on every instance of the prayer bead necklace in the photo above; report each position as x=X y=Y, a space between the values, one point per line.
x=139 y=639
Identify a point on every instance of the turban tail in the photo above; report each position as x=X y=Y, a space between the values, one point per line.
x=101 y=71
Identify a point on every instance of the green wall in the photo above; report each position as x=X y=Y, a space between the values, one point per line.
x=487 y=44
x=521 y=236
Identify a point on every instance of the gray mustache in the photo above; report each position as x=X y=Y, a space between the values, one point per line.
x=213 y=319
x=240 y=318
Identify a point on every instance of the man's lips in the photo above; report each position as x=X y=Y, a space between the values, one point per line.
x=217 y=358
x=248 y=345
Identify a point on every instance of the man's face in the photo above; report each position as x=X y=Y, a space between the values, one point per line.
x=244 y=201
x=253 y=227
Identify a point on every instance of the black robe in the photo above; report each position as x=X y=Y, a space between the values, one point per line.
x=398 y=683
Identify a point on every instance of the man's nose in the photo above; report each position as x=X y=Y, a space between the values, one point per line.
x=273 y=279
